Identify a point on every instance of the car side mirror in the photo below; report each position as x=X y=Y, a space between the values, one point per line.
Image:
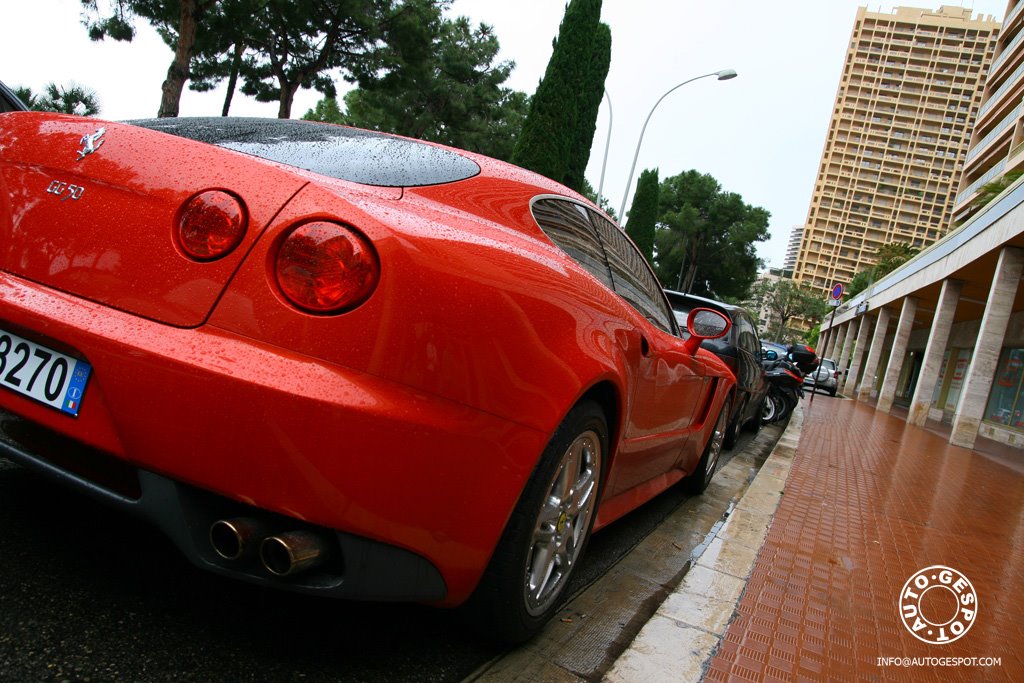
x=704 y=323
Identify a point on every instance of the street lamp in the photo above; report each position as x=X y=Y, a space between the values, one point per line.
x=723 y=75
x=607 y=144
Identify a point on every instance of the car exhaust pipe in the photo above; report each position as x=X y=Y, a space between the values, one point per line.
x=290 y=553
x=235 y=539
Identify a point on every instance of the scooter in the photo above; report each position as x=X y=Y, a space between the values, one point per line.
x=785 y=377
x=785 y=389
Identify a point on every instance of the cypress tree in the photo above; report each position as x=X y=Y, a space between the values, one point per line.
x=589 y=100
x=559 y=129
x=643 y=214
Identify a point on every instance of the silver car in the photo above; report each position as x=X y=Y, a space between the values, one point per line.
x=827 y=376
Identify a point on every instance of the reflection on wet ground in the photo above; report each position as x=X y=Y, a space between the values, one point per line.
x=869 y=502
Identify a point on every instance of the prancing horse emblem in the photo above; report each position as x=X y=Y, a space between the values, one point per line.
x=91 y=143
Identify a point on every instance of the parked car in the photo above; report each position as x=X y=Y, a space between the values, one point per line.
x=826 y=377
x=10 y=101
x=740 y=349
x=341 y=362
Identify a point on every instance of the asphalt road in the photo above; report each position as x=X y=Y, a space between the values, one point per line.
x=88 y=595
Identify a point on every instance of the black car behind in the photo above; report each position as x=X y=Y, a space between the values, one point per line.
x=740 y=349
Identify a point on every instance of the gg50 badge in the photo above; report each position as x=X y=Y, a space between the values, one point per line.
x=59 y=188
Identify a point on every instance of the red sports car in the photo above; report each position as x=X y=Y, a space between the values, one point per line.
x=337 y=361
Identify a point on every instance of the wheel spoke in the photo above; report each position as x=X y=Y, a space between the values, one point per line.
x=570 y=469
x=583 y=493
x=549 y=514
x=541 y=568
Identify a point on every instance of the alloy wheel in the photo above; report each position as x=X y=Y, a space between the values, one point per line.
x=563 y=522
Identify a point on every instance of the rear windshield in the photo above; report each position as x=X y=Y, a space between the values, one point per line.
x=358 y=156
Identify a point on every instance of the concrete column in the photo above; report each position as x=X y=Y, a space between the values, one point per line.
x=938 y=339
x=874 y=355
x=823 y=339
x=850 y=381
x=982 y=369
x=897 y=355
x=843 y=362
x=829 y=348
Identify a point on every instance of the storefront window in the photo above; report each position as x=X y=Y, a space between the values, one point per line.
x=1005 y=403
x=956 y=383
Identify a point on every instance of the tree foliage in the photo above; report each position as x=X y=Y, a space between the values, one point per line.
x=559 y=129
x=704 y=243
x=439 y=79
x=294 y=45
x=989 y=191
x=888 y=257
x=274 y=46
x=326 y=110
x=786 y=300
x=182 y=24
x=643 y=214
x=69 y=99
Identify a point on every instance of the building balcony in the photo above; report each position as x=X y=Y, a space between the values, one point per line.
x=997 y=96
x=1005 y=124
x=1008 y=50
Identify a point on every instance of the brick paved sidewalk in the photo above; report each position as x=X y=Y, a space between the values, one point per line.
x=869 y=502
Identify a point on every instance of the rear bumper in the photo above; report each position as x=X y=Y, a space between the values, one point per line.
x=356 y=567
x=827 y=384
x=208 y=423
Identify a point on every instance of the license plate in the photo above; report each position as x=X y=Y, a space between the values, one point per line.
x=42 y=374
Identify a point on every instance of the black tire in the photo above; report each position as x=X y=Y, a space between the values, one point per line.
x=699 y=479
x=770 y=409
x=732 y=432
x=754 y=424
x=832 y=393
x=547 y=532
x=786 y=404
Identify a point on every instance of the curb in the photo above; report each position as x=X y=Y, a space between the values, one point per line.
x=678 y=642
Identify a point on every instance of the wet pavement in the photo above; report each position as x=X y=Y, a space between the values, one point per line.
x=88 y=594
x=601 y=620
x=881 y=529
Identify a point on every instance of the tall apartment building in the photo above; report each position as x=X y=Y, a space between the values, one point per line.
x=796 y=234
x=997 y=146
x=910 y=90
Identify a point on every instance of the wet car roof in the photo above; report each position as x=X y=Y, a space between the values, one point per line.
x=350 y=154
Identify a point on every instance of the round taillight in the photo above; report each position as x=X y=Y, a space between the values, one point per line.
x=210 y=225
x=326 y=268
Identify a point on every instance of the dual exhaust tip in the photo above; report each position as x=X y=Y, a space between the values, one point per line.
x=284 y=554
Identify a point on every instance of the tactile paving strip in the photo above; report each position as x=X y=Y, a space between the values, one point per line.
x=871 y=500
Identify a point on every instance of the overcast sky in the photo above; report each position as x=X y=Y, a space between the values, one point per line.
x=760 y=134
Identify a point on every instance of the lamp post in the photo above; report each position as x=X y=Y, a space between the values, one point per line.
x=607 y=144
x=723 y=75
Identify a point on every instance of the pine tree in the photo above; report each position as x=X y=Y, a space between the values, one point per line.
x=643 y=214
x=559 y=128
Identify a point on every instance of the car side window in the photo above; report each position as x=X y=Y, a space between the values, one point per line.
x=747 y=336
x=568 y=226
x=632 y=277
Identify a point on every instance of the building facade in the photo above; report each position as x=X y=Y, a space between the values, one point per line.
x=793 y=248
x=943 y=335
x=997 y=145
x=911 y=87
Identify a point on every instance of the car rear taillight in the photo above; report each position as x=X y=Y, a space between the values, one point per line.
x=326 y=268
x=210 y=225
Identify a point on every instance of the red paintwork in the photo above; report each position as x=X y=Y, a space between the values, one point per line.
x=414 y=419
